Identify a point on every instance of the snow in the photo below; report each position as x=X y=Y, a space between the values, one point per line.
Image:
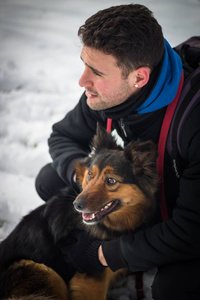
x=39 y=72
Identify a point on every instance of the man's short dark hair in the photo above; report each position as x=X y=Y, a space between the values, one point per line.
x=128 y=32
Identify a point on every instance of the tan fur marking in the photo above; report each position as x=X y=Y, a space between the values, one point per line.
x=135 y=209
x=81 y=169
x=50 y=284
x=83 y=287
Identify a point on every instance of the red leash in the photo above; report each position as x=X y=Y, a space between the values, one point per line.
x=139 y=285
x=109 y=125
x=162 y=144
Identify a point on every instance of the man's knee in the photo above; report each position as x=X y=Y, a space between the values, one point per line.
x=48 y=183
x=177 y=282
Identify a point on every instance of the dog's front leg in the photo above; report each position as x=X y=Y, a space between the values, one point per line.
x=83 y=287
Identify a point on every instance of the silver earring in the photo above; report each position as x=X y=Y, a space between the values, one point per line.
x=136 y=85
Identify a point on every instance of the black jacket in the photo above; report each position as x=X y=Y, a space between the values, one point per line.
x=176 y=239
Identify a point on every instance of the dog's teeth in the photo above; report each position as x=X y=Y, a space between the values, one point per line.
x=92 y=217
x=106 y=206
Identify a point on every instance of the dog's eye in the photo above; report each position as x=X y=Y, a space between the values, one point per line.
x=111 y=181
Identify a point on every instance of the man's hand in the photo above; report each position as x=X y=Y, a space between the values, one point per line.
x=101 y=257
x=83 y=253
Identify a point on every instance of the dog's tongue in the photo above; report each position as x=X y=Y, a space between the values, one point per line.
x=93 y=216
x=88 y=216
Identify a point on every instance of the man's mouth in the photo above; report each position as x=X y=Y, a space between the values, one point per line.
x=95 y=217
x=90 y=94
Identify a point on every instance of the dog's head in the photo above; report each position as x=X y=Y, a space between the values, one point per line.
x=118 y=185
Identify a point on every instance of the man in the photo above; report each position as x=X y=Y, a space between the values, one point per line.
x=131 y=75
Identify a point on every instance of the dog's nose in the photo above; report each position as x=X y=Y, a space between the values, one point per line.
x=79 y=204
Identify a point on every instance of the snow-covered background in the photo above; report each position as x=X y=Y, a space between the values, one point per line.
x=39 y=71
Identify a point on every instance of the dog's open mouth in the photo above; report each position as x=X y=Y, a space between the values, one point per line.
x=99 y=214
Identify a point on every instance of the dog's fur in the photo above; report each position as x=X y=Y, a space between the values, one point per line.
x=118 y=196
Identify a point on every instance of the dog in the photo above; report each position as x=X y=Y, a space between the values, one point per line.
x=118 y=196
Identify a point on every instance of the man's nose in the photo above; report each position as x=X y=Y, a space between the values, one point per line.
x=85 y=80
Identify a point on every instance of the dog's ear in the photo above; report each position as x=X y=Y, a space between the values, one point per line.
x=103 y=140
x=142 y=156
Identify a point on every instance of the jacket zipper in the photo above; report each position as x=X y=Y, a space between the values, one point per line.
x=122 y=124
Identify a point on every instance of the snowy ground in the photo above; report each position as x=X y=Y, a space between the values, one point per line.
x=39 y=72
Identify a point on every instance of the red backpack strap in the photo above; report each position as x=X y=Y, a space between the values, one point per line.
x=162 y=143
x=109 y=125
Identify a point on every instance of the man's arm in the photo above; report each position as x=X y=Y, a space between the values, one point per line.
x=71 y=138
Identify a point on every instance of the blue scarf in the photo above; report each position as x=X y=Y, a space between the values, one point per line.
x=166 y=87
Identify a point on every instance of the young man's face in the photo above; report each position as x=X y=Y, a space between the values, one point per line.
x=103 y=80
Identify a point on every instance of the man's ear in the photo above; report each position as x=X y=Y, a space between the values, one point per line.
x=140 y=77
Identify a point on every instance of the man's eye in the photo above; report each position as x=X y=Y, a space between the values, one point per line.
x=111 y=181
x=97 y=74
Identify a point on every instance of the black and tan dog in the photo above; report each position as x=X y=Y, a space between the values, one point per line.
x=118 y=196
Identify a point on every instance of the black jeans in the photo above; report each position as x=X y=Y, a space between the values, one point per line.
x=179 y=281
